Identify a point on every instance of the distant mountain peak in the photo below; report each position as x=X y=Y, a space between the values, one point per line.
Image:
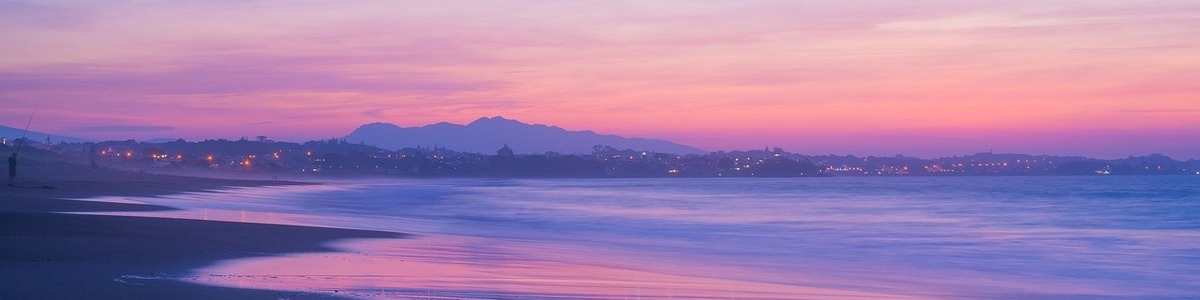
x=486 y=134
x=494 y=120
x=379 y=124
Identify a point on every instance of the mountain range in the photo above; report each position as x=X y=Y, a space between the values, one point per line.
x=486 y=135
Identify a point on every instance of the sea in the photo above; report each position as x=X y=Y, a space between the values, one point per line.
x=1038 y=237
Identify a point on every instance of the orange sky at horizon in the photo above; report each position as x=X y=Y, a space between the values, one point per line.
x=926 y=78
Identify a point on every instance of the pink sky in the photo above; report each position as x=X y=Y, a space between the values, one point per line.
x=1104 y=78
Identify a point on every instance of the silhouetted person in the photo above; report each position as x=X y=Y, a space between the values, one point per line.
x=12 y=170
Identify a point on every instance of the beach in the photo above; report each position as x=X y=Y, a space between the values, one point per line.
x=48 y=253
x=153 y=236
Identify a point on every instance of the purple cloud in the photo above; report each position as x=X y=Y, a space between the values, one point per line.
x=240 y=74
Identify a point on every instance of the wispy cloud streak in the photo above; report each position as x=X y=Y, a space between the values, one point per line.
x=719 y=74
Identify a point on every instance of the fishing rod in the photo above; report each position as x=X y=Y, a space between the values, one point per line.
x=21 y=143
x=19 y=146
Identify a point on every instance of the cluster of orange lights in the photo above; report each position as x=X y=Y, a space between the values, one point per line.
x=127 y=154
x=158 y=156
x=248 y=161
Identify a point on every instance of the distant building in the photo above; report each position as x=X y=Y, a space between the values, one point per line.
x=504 y=152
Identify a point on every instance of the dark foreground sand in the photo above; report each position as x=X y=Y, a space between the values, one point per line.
x=49 y=255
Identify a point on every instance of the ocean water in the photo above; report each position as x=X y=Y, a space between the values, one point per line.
x=1088 y=237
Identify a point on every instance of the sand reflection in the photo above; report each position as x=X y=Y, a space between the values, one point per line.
x=445 y=267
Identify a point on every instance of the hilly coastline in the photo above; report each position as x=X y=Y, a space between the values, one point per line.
x=486 y=135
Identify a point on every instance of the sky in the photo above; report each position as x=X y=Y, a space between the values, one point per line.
x=927 y=78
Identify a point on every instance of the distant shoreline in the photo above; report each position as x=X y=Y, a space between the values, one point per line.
x=321 y=160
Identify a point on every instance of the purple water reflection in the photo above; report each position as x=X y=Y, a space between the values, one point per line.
x=839 y=238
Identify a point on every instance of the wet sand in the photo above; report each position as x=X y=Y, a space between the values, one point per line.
x=46 y=254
